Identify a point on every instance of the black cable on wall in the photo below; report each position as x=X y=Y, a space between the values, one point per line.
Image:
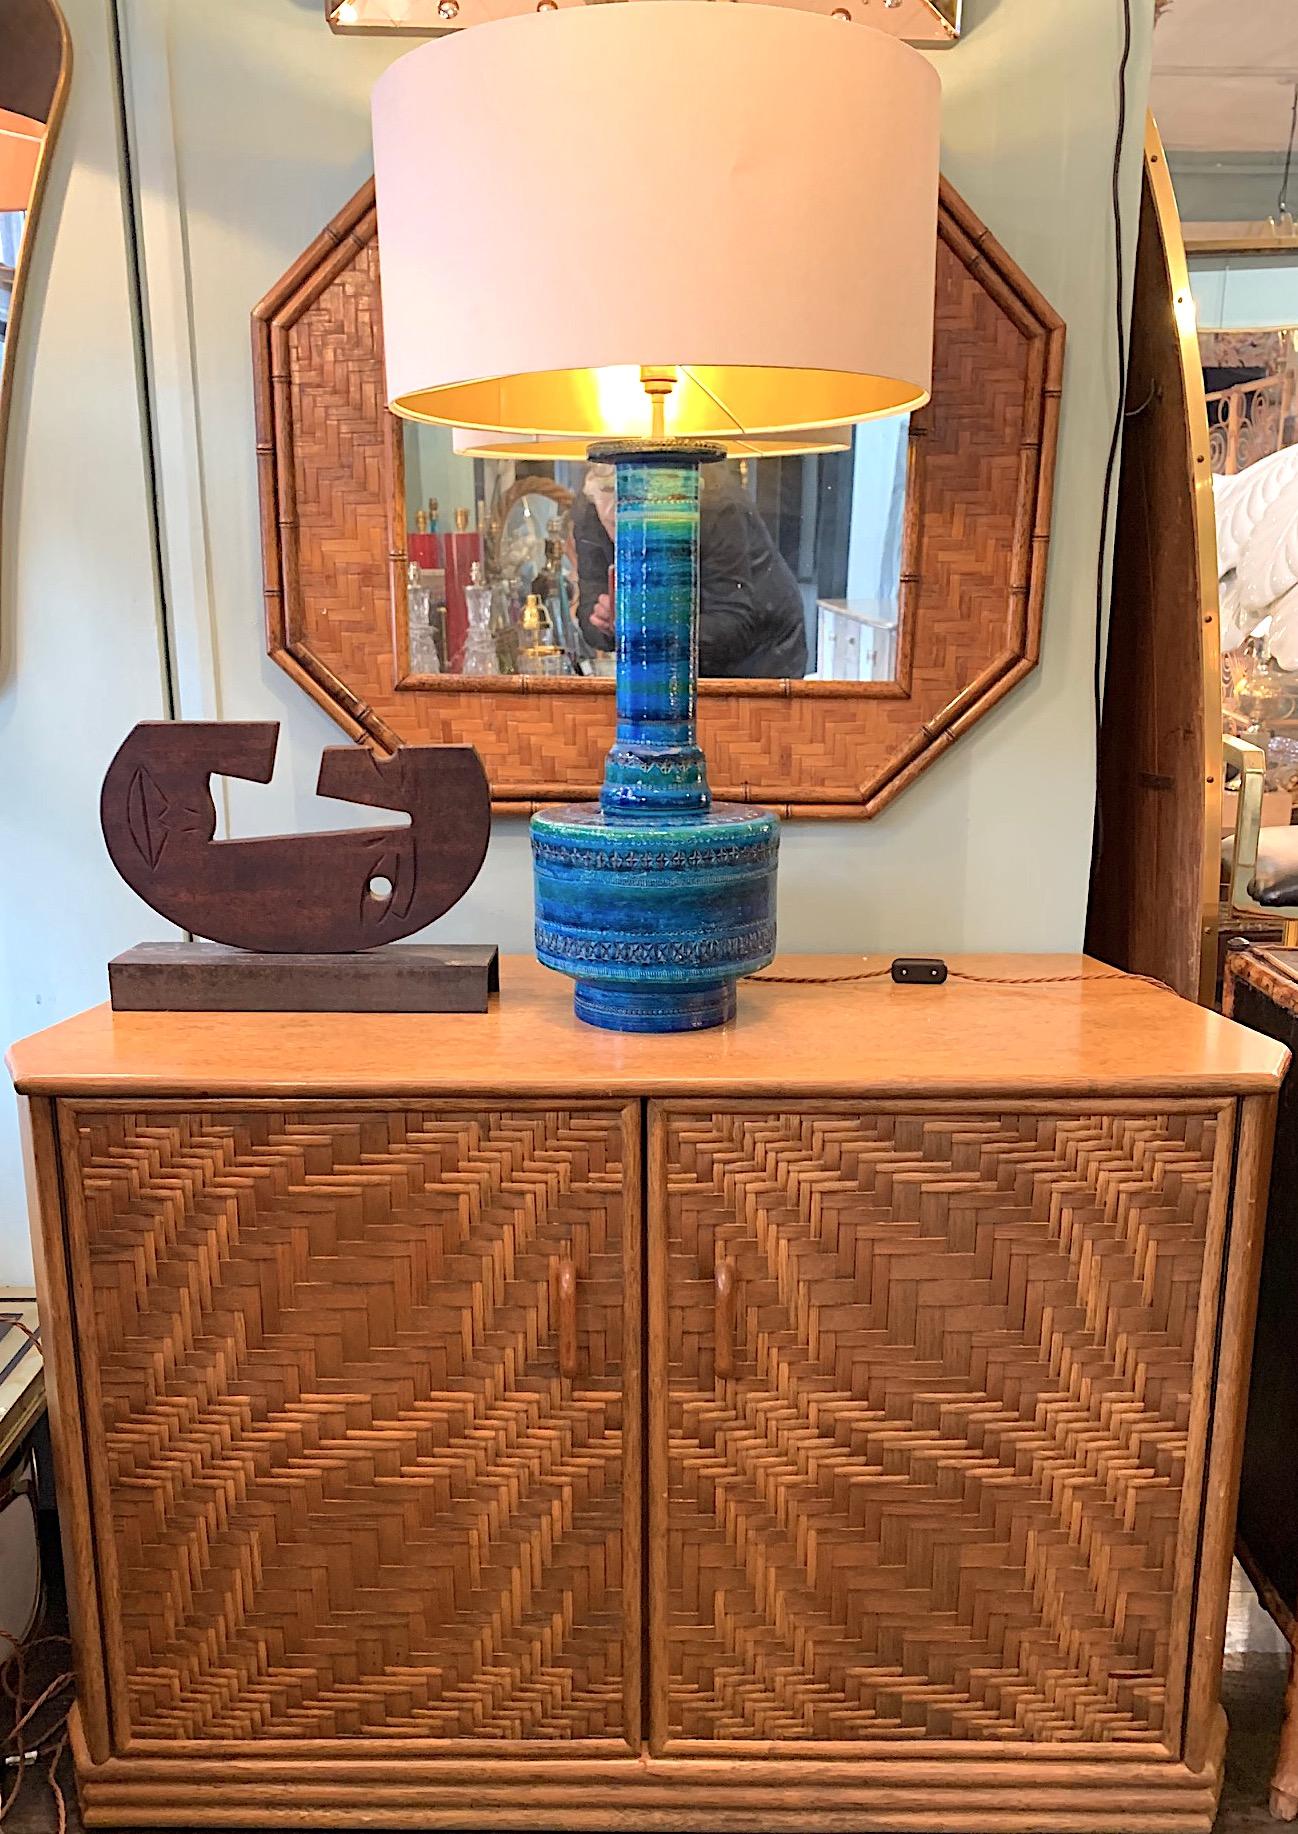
x=1115 y=439
x=139 y=308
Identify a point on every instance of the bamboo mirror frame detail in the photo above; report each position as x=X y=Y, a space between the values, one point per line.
x=27 y=81
x=977 y=529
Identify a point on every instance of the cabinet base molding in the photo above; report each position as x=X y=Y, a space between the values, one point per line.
x=951 y=1794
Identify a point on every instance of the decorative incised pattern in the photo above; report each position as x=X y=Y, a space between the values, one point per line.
x=351 y=1492
x=742 y=946
x=939 y=1495
x=978 y=527
x=655 y=859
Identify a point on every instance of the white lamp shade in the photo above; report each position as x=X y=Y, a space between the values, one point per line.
x=749 y=196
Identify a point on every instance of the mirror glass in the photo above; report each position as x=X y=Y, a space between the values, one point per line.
x=800 y=562
x=1247 y=308
x=11 y=235
x=1224 y=91
x=32 y=76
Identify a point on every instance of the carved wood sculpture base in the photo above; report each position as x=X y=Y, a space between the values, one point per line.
x=831 y=1423
x=177 y=977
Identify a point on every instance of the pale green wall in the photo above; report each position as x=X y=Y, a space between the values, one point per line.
x=80 y=650
x=990 y=850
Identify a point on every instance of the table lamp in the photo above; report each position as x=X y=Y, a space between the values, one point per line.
x=751 y=195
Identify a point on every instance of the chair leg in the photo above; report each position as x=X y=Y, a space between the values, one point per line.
x=1284 y=1778
x=1289 y=934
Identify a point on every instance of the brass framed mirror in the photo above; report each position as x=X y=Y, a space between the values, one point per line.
x=35 y=69
x=906 y=568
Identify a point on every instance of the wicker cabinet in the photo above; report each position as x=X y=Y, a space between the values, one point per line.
x=484 y=1421
x=938 y=1489
x=347 y=1487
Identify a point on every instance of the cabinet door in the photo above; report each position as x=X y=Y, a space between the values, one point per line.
x=362 y=1391
x=926 y=1455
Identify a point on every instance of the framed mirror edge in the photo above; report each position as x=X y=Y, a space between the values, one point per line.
x=1275 y=243
x=361 y=723
x=860 y=795
x=22 y=271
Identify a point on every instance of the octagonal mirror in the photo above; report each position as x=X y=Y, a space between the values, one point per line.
x=860 y=607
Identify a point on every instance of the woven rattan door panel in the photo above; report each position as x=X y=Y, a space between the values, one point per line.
x=951 y=1487
x=351 y=1491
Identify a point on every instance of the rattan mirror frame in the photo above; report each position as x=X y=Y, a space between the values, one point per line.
x=331 y=485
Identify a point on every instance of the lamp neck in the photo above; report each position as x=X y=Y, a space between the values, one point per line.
x=656 y=768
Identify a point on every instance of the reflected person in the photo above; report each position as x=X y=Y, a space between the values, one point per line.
x=750 y=609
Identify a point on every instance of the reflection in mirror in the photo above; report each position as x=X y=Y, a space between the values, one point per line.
x=1222 y=92
x=1247 y=310
x=20 y=142
x=1226 y=102
x=34 y=65
x=800 y=560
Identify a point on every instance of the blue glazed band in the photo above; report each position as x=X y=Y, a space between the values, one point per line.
x=658 y=1009
x=656 y=766
x=656 y=899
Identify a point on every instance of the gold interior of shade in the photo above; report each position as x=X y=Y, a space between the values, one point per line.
x=707 y=403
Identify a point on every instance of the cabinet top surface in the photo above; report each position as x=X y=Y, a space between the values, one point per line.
x=1100 y=1033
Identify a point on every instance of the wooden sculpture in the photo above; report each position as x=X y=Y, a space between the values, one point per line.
x=303 y=895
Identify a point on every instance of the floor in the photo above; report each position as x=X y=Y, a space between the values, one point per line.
x=1257 y=1664
x=1253 y=1690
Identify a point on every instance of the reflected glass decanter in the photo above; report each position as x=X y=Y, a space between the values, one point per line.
x=420 y=630
x=480 y=656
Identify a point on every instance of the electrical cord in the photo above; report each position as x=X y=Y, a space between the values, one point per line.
x=29 y=1744
x=955 y=974
x=50 y=1742
x=23 y=1745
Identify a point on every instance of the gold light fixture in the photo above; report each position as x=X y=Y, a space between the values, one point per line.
x=930 y=23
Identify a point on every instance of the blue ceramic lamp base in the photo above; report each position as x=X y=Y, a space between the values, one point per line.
x=665 y=1008
x=656 y=900
x=655 y=919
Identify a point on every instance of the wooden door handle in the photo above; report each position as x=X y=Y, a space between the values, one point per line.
x=724 y=1352
x=567 y=1316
